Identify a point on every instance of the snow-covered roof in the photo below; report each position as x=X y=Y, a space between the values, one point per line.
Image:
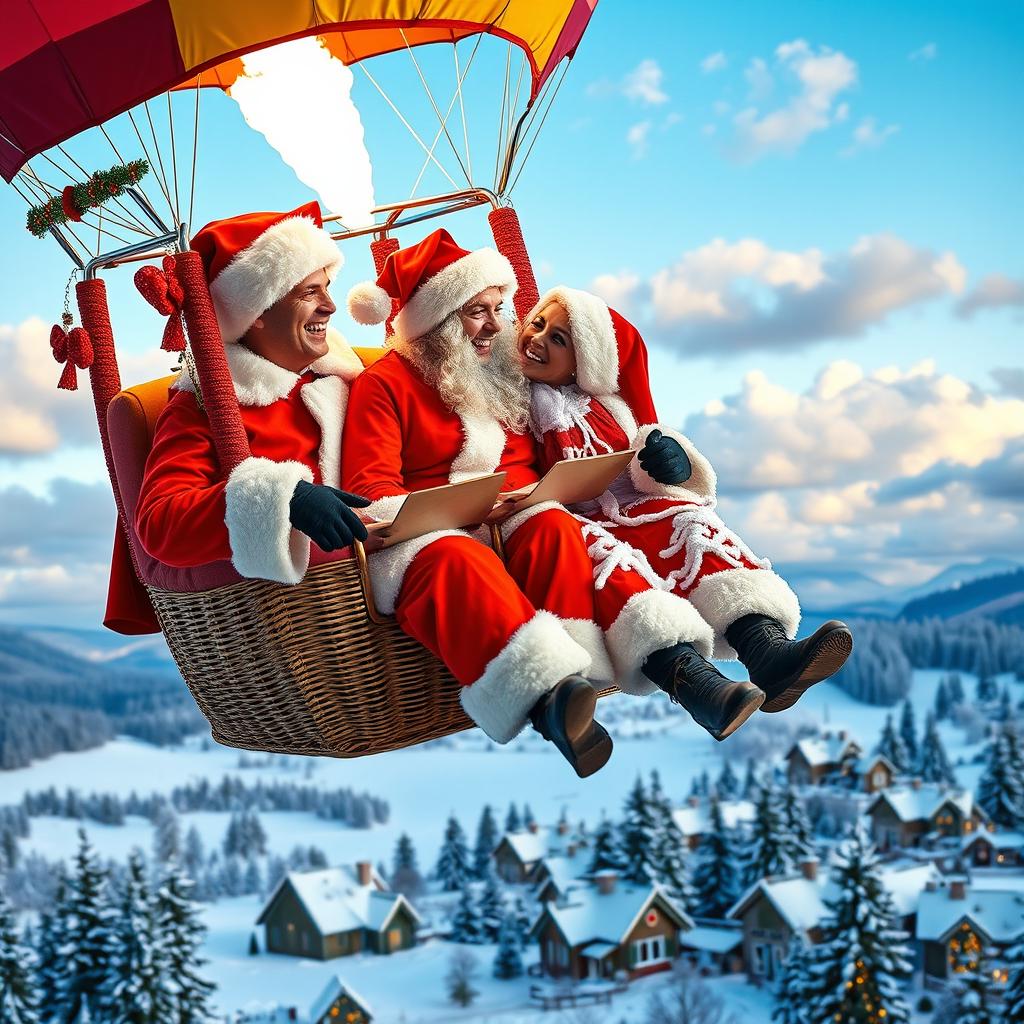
x=332 y=991
x=594 y=916
x=865 y=763
x=336 y=901
x=822 y=750
x=999 y=913
x=695 y=821
x=712 y=938
x=597 y=950
x=566 y=872
x=800 y=902
x=911 y=803
x=1000 y=840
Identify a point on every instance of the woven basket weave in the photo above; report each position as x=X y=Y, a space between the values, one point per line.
x=303 y=669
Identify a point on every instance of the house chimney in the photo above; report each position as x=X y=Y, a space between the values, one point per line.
x=809 y=868
x=957 y=889
x=570 y=850
x=693 y=801
x=606 y=882
x=915 y=784
x=364 y=872
x=532 y=827
x=563 y=827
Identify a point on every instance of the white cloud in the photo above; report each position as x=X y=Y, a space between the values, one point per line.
x=714 y=62
x=731 y=296
x=637 y=138
x=819 y=76
x=927 y=52
x=867 y=135
x=643 y=84
x=760 y=80
x=994 y=291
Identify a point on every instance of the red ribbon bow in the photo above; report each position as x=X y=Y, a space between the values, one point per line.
x=163 y=291
x=72 y=348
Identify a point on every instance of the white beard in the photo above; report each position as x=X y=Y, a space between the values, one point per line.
x=467 y=385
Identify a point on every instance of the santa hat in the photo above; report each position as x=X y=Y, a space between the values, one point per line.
x=429 y=280
x=254 y=260
x=611 y=357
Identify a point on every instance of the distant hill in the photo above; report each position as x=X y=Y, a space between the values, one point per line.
x=54 y=700
x=995 y=597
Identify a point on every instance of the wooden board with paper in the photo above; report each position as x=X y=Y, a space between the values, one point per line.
x=570 y=481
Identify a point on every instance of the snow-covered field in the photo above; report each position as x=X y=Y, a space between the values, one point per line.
x=423 y=786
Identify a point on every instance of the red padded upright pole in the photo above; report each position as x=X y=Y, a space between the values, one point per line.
x=219 y=397
x=381 y=249
x=104 y=376
x=508 y=237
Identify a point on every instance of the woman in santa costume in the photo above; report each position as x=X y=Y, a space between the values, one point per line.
x=450 y=402
x=590 y=394
x=268 y=275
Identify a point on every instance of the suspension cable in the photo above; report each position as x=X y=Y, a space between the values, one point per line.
x=536 y=134
x=462 y=106
x=117 y=153
x=145 y=151
x=174 y=158
x=29 y=180
x=499 y=148
x=195 y=150
x=159 y=158
x=85 y=176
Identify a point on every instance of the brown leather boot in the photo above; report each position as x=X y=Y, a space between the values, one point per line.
x=565 y=716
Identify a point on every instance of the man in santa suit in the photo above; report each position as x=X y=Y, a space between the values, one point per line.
x=590 y=395
x=450 y=402
x=269 y=275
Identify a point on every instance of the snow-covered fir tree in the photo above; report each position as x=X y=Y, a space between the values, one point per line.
x=955 y=688
x=891 y=746
x=727 y=786
x=750 y=780
x=791 y=991
x=49 y=935
x=523 y=918
x=854 y=972
x=637 y=835
x=252 y=878
x=798 y=836
x=668 y=860
x=987 y=689
x=453 y=867
x=943 y=704
x=769 y=844
x=934 y=765
x=85 y=919
x=491 y=906
x=486 y=840
x=166 y=836
x=1013 y=994
x=508 y=961
x=193 y=853
x=405 y=874
x=513 y=822
x=18 y=994
x=1001 y=786
x=465 y=924
x=908 y=732
x=135 y=988
x=971 y=986
x=181 y=936
x=715 y=875
x=529 y=821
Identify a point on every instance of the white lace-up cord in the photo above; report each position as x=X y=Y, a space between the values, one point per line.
x=561 y=409
x=609 y=554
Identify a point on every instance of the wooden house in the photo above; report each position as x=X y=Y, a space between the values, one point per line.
x=609 y=927
x=693 y=820
x=923 y=813
x=517 y=854
x=990 y=848
x=837 y=759
x=337 y=912
x=713 y=947
x=339 y=1003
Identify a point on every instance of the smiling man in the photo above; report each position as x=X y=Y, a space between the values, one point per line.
x=269 y=275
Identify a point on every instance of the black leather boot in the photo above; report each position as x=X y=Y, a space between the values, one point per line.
x=715 y=703
x=783 y=668
x=565 y=717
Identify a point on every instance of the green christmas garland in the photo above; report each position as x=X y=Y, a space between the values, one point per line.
x=77 y=199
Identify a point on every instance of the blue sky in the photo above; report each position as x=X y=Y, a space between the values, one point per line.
x=812 y=211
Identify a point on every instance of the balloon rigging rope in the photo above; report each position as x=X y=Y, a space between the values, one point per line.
x=120 y=222
x=437 y=135
x=499 y=149
x=195 y=151
x=433 y=103
x=536 y=134
x=143 y=226
x=149 y=160
x=174 y=159
x=31 y=182
x=462 y=106
x=409 y=127
x=159 y=159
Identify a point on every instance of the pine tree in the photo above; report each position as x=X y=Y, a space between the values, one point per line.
x=667 y=858
x=987 y=689
x=135 y=988
x=715 y=875
x=727 y=786
x=934 y=766
x=49 y=965
x=465 y=926
x=18 y=995
x=891 y=746
x=943 y=704
x=513 y=823
x=462 y=968
x=972 y=987
x=453 y=866
x=1001 y=786
x=791 y=993
x=194 y=854
x=529 y=821
x=181 y=933
x=405 y=876
x=486 y=840
x=605 y=855
x=167 y=836
x=798 y=836
x=853 y=973
x=84 y=950
x=955 y=687
x=508 y=961
x=750 y=781
x=491 y=907
x=636 y=836
x=1013 y=994
x=908 y=733
x=770 y=843
x=1005 y=711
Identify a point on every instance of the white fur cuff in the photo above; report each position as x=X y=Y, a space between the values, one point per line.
x=537 y=656
x=384 y=510
x=589 y=636
x=264 y=544
x=702 y=482
x=651 y=621
x=723 y=597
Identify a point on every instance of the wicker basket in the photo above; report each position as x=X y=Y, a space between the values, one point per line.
x=304 y=669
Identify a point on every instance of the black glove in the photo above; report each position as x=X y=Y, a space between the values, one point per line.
x=664 y=460
x=323 y=514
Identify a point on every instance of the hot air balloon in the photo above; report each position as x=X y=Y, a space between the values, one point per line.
x=123 y=82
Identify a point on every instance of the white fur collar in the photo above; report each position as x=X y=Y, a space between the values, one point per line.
x=557 y=409
x=259 y=382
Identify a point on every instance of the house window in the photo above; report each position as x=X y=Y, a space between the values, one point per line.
x=648 y=951
x=766 y=959
x=878 y=778
x=395 y=938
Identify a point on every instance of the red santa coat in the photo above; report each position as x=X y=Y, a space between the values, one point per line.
x=189 y=515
